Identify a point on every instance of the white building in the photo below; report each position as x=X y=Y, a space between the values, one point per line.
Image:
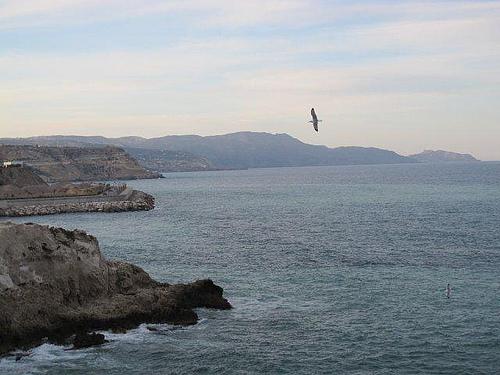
x=12 y=163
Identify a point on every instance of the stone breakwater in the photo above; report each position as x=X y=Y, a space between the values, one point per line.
x=55 y=283
x=136 y=201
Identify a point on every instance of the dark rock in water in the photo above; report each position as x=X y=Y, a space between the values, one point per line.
x=55 y=283
x=203 y=293
x=152 y=329
x=118 y=329
x=85 y=340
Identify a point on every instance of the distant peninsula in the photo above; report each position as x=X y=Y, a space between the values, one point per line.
x=440 y=156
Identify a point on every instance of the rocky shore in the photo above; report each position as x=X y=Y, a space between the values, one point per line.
x=134 y=201
x=55 y=283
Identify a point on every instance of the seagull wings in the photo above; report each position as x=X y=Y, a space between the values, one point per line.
x=313 y=114
x=315 y=119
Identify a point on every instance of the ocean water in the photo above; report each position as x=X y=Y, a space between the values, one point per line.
x=331 y=270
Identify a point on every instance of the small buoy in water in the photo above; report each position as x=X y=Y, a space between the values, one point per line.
x=448 y=291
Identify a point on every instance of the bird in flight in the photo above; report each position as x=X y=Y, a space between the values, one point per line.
x=315 y=119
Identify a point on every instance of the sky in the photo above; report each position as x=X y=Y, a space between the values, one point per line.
x=400 y=75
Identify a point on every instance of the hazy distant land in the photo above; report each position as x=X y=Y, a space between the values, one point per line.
x=440 y=156
x=240 y=150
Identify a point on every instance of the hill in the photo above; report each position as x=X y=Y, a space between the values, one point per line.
x=169 y=161
x=236 y=150
x=55 y=164
x=440 y=156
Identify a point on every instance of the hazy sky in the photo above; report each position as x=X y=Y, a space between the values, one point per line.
x=402 y=75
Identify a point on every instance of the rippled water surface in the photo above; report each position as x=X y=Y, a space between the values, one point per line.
x=330 y=270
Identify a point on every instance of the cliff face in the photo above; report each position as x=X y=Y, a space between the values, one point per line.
x=55 y=282
x=55 y=164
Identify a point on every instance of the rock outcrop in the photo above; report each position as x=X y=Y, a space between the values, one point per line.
x=55 y=283
x=86 y=340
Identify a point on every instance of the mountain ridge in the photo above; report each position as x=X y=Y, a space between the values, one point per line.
x=240 y=150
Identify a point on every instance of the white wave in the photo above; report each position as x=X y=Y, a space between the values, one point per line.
x=38 y=358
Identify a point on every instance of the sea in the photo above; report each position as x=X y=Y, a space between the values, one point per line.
x=331 y=270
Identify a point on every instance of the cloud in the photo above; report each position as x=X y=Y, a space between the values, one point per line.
x=228 y=13
x=34 y=13
x=377 y=70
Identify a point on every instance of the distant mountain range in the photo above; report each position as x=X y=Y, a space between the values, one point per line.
x=440 y=156
x=230 y=151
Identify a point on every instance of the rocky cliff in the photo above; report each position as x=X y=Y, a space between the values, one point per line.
x=55 y=164
x=55 y=282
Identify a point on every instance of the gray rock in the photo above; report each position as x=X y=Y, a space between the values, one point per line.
x=60 y=284
x=86 y=340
